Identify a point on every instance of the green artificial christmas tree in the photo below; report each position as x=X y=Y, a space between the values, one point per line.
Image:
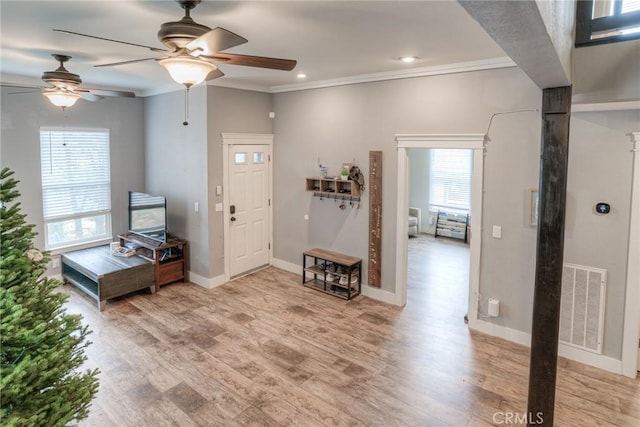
x=42 y=346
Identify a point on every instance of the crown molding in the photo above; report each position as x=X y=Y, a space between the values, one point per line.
x=460 y=67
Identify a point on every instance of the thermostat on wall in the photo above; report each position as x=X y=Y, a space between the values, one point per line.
x=603 y=208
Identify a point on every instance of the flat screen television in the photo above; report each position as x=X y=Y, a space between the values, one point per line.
x=148 y=215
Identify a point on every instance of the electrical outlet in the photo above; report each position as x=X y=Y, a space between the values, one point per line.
x=55 y=262
x=494 y=307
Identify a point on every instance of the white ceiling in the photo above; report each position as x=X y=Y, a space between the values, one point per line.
x=330 y=40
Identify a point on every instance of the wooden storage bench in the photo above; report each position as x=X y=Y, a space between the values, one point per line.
x=328 y=281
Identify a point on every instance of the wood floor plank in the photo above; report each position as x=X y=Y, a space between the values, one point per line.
x=285 y=414
x=305 y=402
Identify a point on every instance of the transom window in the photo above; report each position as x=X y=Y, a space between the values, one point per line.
x=76 y=185
x=607 y=21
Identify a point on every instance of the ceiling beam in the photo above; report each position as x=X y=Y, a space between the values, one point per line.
x=538 y=36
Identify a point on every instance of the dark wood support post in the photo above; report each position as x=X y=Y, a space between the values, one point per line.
x=556 y=111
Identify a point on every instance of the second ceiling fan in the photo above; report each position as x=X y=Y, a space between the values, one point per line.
x=193 y=50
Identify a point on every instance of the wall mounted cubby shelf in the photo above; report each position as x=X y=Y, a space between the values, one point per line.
x=331 y=188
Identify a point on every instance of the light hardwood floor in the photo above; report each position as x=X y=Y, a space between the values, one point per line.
x=266 y=351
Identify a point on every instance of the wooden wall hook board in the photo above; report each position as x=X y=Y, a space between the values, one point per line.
x=375 y=218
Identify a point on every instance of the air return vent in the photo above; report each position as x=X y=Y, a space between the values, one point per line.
x=582 y=306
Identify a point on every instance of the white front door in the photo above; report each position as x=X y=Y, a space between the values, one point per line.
x=248 y=207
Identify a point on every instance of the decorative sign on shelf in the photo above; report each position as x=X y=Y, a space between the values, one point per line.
x=375 y=218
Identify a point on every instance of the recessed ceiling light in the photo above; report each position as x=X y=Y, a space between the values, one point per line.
x=301 y=76
x=408 y=59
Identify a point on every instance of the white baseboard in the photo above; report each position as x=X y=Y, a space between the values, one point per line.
x=380 y=295
x=286 y=266
x=513 y=335
x=592 y=359
x=598 y=360
x=208 y=283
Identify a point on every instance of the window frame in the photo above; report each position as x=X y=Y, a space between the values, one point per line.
x=586 y=25
x=107 y=236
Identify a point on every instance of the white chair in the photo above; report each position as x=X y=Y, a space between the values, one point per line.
x=415 y=220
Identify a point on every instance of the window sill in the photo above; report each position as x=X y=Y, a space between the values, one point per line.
x=77 y=246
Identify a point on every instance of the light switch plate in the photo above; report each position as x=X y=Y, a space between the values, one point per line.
x=218 y=207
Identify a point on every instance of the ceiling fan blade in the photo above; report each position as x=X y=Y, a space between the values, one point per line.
x=88 y=96
x=214 y=41
x=153 y=49
x=24 y=91
x=214 y=74
x=106 y=92
x=21 y=86
x=253 y=61
x=113 y=64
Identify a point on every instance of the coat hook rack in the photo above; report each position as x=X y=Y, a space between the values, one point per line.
x=336 y=197
x=332 y=188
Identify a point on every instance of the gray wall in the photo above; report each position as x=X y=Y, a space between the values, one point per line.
x=343 y=123
x=184 y=163
x=600 y=167
x=607 y=73
x=507 y=266
x=24 y=114
x=176 y=158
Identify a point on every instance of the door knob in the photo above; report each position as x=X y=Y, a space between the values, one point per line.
x=233 y=218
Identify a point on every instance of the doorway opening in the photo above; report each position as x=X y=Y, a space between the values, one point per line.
x=473 y=142
x=438 y=250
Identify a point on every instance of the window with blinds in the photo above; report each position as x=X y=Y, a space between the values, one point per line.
x=76 y=185
x=450 y=179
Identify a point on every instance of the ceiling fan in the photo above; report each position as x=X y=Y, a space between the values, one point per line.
x=192 y=49
x=64 y=89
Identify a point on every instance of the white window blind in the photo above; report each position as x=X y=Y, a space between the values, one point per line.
x=76 y=185
x=450 y=179
x=630 y=6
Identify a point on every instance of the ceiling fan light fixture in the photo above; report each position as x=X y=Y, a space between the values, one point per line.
x=61 y=98
x=187 y=70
